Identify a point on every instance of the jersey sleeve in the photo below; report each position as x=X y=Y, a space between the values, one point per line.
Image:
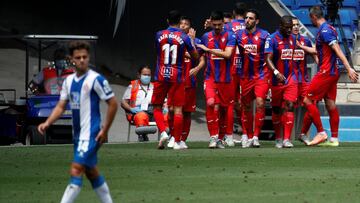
x=198 y=41
x=189 y=46
x=307 y=42
x=64 y=93
x=231 y=40
x=329 y=36
x=269 y=45
x=102 y=88
x=127 y=93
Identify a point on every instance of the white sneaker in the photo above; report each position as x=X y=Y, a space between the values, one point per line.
x=171 y=142
x=287 y=144
x=244 y=141
x=183 y=145
x=278 y=143
x=212 y=143
x=163 y=138
x=220 y=144
x=177 y=146
x=255 y=142
x=305 y=139
x=229 y=141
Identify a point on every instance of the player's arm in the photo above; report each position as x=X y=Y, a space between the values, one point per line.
x=56 y=113
x=351 y=72
x=194 y=71
x=227 y=53
x=316 y=58
x=307 y=49
x=280 y=77
x=125 y=105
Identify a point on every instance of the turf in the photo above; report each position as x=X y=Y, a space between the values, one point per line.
x=140 y=173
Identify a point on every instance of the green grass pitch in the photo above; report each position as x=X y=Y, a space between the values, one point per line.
x=141 y=173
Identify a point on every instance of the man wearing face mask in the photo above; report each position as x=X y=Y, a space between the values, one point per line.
x=279 y=50
x=50 y=79
x=136 y=100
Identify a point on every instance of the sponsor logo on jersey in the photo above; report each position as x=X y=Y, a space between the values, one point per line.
x=286 y=54
x=250 y=49
x=299 y=55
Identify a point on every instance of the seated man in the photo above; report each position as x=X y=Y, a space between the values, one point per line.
x=50 y=79
x=136 y=100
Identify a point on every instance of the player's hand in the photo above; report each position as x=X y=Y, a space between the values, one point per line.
x=42 y=128
x=193 y=72
x=101 y=137
x=203 y=47
x=298 y=43
x=280 y=77
x=207 y=23
x=192 y=33
x=354 y=77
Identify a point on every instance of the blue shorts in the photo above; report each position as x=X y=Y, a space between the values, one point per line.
x=85 y=152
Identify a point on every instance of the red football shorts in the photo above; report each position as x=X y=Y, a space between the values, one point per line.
x=251 y=89
x=222 y=93
x=323 y=86
x=174 y=91
x=288 y=92
x=190 y=99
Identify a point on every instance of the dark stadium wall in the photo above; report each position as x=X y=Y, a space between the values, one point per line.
x=133 y=43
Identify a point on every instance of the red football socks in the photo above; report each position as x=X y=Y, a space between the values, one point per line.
x=178 y=126
x=276 y=120
x=306 y=123
x=315 y=116
x=212 y=120
x=334 y=122
x=159 y=119
x=288 y=123
x=259 y=121
x=186 y=126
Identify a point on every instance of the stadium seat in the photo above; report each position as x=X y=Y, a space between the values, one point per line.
x=290 y=4
x=351 y=4
x=306 y=3
x=312 y=29
x=347 y=31
x=345 y=18
x=350 y=13
x=303 y=15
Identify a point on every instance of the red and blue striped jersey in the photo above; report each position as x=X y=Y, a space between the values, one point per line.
x=218 y=68
x=171 y=45
x=252 y=56
x=299 y=59
x=325 y=37
x=189 y=64
x=235 y=26
x=282 y=49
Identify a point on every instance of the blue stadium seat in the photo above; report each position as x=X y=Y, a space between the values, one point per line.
x=346 y=18
x=312 y=29
x=307 y=3
x=289 y=3
x=351 y=3
x=303 y=15
x=347 y=31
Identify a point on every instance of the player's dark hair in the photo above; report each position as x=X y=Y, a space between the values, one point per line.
x=78 y=45
x=227 y=15
x=254 y=11
x=286 y=19
x=316 y=11
x=294 y=18
x=217 y=15
x=186 y=18
x=142 y=67
x=240 y=8
x=59 y=54
x=174 y=17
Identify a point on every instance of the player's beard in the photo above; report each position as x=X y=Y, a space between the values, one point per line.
x=250 y=26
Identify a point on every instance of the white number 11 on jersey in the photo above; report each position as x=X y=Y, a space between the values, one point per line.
x=167 y=49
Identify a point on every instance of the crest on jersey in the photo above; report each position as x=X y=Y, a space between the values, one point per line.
x=223 y=39
x=75 y=100
x=286 y=54
x=256 y=38
x=167 y=72
x=250 y=49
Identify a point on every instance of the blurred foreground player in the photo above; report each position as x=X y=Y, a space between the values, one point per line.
x=84 y=90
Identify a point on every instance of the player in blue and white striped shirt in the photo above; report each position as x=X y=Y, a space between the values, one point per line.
x=84 y=90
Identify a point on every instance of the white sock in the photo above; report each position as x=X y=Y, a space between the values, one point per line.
x=70 y=194
x=256 y=137
x=334 y=139
x=230 y=136
x=103 y=193
x=164 y=134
